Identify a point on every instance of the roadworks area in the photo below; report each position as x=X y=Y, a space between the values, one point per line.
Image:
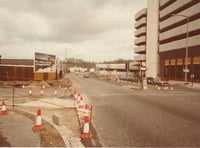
x=59 y=116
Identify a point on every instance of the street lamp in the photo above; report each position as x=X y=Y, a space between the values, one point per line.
x=186 y=45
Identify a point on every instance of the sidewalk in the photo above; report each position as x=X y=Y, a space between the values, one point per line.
x=182 y=83
x=17 y=129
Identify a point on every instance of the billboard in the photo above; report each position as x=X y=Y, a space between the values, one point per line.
x=44 y=63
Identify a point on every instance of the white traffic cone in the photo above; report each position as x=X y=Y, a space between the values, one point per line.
x=38 y=125
x=4 y=110
x=86 y=134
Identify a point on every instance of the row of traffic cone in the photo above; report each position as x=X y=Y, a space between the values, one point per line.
x=42 y=92
x=165 y=88
x=86 y=109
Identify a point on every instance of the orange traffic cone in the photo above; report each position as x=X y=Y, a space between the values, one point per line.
x=171 y=88
x=41 y=92
x=3 y=110
x=38 y=125
x=75 y=94
x=86 y=128
x=55 y=93
x=81 y=105
x=30 y=92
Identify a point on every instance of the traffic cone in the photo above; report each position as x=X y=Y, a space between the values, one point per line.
x=87 y=110
x=41 y=92
x=71 y=91
x=86 y=134
x=171 y=88
x=30 y=91
x=3 y=110
x=75 y=94
x=78 y=98
x=81 y=103
x=55 y=93
x=38 y=125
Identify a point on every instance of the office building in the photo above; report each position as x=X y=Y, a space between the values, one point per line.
x=172 y=38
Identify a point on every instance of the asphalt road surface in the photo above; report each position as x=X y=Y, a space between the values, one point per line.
x=127 y=117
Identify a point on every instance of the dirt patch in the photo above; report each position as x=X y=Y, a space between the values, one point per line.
x=50 y=137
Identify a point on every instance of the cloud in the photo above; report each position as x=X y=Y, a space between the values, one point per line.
x=82 y=25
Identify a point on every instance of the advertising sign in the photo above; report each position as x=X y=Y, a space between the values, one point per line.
x=44 y=63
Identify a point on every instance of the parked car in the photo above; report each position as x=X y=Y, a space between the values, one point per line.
x=150 y=80
x=86 y=75
x=76 y=73
x=161 y=82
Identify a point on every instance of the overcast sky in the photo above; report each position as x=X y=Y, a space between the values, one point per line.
x=93 y=30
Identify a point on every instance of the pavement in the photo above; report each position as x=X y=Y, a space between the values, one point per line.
x=16 y=129
x=188 y=85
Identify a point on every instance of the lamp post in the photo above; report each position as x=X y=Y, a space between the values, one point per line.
x=186 y=45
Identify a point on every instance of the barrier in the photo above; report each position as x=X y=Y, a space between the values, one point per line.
x=4 y=110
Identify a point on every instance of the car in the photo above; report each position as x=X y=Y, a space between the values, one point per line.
x=161 y=82
x=86 y=75
x=76 y=73
x=150 y=80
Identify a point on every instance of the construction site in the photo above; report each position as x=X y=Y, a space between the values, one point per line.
x=43 y=114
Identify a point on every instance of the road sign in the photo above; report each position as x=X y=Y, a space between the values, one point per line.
x=186 y=70
x=144 y=64
x=142 y=68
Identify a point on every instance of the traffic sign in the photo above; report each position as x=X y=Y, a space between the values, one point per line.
x=186 y=70
x=143 y=64
x=142 y=68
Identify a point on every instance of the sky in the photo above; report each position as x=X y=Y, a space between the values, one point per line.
x=92 y=30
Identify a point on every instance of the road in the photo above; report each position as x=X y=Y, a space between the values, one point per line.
x=128 y=117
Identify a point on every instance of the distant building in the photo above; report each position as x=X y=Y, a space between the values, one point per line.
x=22 y=70
x=16 y=69
x=168 y=33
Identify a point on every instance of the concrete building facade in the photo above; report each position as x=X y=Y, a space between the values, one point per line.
x=140 y=41
x=152 y=59
x=172 y=39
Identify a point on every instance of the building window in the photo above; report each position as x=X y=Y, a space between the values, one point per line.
x=196 y=60
x=179 y=61
x=166 y=62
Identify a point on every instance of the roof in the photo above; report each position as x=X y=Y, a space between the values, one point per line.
x=17 y=61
